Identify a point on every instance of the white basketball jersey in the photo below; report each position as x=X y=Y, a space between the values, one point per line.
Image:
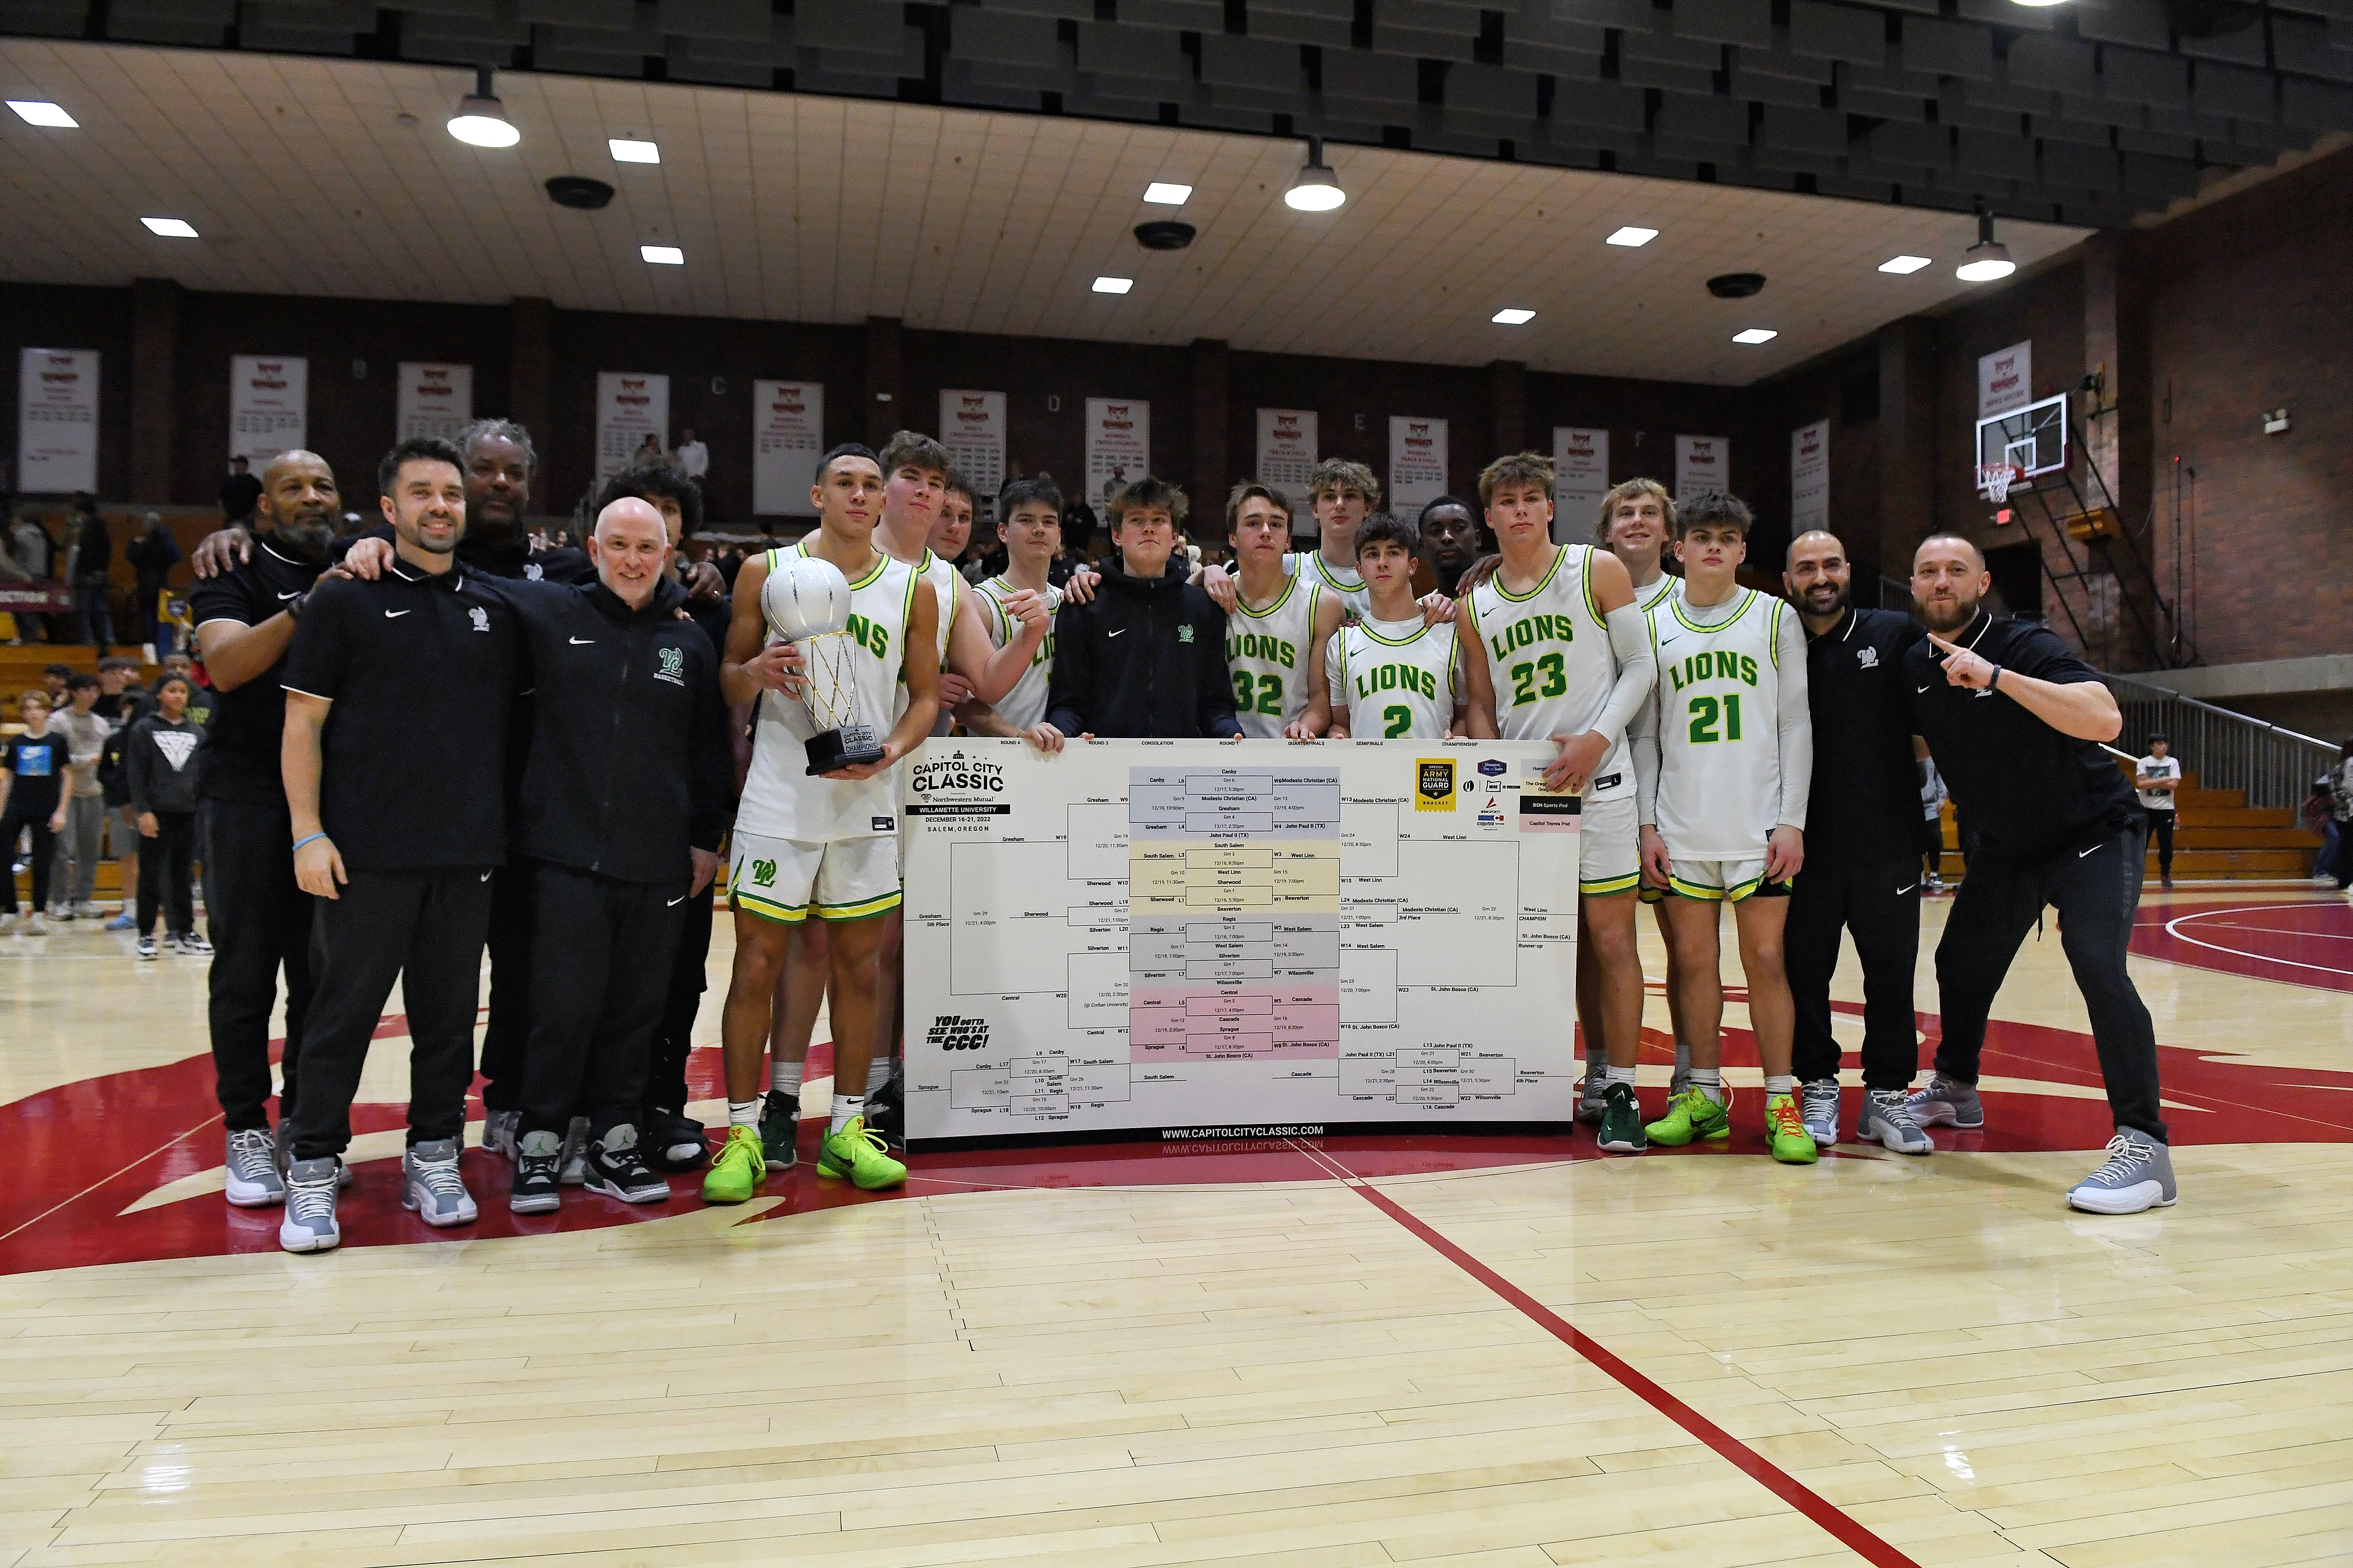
x=1549 y=661
x=1400 y=679
x=780 y=800
x=1719 y=726
x=1025 y=705
x=1266 y=655
x=945 y=583
x=1348 y=587
x=1668 y=586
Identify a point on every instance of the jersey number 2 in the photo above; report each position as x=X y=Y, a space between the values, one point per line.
x=1524 y=688
x=1704 y=715
x=1270 y=694
x=1399 y=719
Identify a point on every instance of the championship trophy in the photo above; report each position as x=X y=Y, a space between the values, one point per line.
x=806 y=602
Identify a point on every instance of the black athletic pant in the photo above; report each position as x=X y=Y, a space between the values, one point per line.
x=1879 y=902
x=424 y=929
x=2095 y=893
x=259 y=921
x=601 y=953
x=674 y=1038
x=19 y=816
x=506 y=1040
x=2161 y=827
x=167 y=874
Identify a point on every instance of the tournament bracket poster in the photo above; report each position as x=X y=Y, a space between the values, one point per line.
x=1207 y=939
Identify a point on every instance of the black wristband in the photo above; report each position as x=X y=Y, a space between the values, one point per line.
x=294 y=605
x=1994 y=679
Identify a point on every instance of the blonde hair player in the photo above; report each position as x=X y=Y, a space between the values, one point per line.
x=1393 y=675
x=1279 y=627
x=827 y=845
x=1553 y=648
x=1725 y=753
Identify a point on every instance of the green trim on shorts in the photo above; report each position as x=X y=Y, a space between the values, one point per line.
x=1714 y=895
x=751 y=903
x=1609 y=885
x=865 y=910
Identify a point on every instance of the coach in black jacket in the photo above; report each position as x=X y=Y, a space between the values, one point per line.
x=624 y=799
x=1146 y=656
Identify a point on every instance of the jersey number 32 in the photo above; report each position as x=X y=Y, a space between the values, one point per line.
x=1268 y=694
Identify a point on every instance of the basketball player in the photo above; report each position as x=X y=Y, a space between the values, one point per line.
x=1726 y=758
x=1449 y=541
x=1031 y=530
x=2017 y=722
x=1341 y=494
x=827 y=845
x=1553 y=648
x=1393 y=675
x=1280 y=625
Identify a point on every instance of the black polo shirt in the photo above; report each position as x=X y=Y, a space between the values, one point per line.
x=1865 y=803
x=421 y=672
x=2031 y=792
x=249 y=723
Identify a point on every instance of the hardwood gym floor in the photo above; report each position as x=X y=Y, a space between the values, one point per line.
x=1355 y=1351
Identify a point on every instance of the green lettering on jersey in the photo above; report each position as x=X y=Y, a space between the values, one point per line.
x=1395 y=678
x=1260 y=646
x=871 y=636
x=1532 y=629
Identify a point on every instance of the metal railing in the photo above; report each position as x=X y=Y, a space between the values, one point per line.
x=2275 y=767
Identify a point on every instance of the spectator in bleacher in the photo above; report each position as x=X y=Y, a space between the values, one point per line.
x=693 y=455
x=239 y=493
x=161 y=759
x=31 y=767
x=54 y=678
x=119 y=696
x=73 y=876
x=2318 y=816
x=152 y=555
x=35 y=554
x=88 y=557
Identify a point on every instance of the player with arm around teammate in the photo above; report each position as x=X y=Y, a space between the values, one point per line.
x=1726 y=757
x=1553 y=648
x=826 y=846
x=1279 y=627
x=1393 y=675
x=1032 y=528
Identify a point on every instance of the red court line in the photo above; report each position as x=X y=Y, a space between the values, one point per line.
x=1853 y=1536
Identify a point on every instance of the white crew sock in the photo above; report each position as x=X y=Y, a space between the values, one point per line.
x=846 y=1106
x=743 y=1112
x=785 y=1075
x=1780 y=1083
x=1618 y=1075
x=1709 y=1081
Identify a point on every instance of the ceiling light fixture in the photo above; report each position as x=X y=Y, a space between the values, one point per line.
x=171 y=228
x=628 y=150
x=1988 y=259
x=1512 y=316
x=39 y=111
x=1756 y=335
x=1316 y=188
x=1631 y=236
x=2036 y=4
x=1114 y=285
x=1162 y=194
x=1904 y=264
x=482 y=120
x=663 y=255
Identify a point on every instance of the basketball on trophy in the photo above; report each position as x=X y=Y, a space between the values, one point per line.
x=805 y=601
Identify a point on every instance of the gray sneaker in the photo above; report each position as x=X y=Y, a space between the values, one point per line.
x=253 y=1179
x=309 y=1222
x=1590 y=1092
x=573 y=1170
x=499 y=1130
x=431 y=1185
x=1817 y=1105
x=1887 y=1115
x=2137 y=1176
x=1945 y=1103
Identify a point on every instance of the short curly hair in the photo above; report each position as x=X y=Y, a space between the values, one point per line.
x=1148 y=491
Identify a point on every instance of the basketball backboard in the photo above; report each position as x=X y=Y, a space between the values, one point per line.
x=2032 y=439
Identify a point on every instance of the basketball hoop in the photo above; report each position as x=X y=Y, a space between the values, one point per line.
x=1994 y=480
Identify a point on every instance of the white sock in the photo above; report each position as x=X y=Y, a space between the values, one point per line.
x=1780 y=1083
x=785 y=1075
x=743 y=1112
x=1709 y=1081
x=1618 y=1075
x=846 y=1106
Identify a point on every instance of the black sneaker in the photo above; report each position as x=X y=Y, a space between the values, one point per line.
x=675 y=1141
x=146 y=947
x=616 y=1169
x=535 y=1191
x=886 y=1115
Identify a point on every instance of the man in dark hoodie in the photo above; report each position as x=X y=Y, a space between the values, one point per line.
x=624 y=795
x=1147 y=657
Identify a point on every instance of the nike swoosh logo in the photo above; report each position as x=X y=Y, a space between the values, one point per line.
x=2095 y=849
x=1901 y=891
x=1121 y=633
x=394 y=614
x=675 y=902
x=296 y=593
x=1918 y=689
x=582 y=642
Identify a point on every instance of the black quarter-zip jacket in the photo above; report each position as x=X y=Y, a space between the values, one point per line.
x=1145 y=658
x=628 y=762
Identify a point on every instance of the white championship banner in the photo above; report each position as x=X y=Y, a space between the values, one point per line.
x=269 y=407
x=434 y=399
x=1202 y=938
x=787 y=439
x=56 y=420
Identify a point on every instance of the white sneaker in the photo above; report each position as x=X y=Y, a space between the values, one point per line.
x=34 y=925
x=253 y=1179
x=309 y=1222
x=2138 y=1175
x=1818 y=1106
x=574 y=1171
x=8 y=922
x=432 y=1185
